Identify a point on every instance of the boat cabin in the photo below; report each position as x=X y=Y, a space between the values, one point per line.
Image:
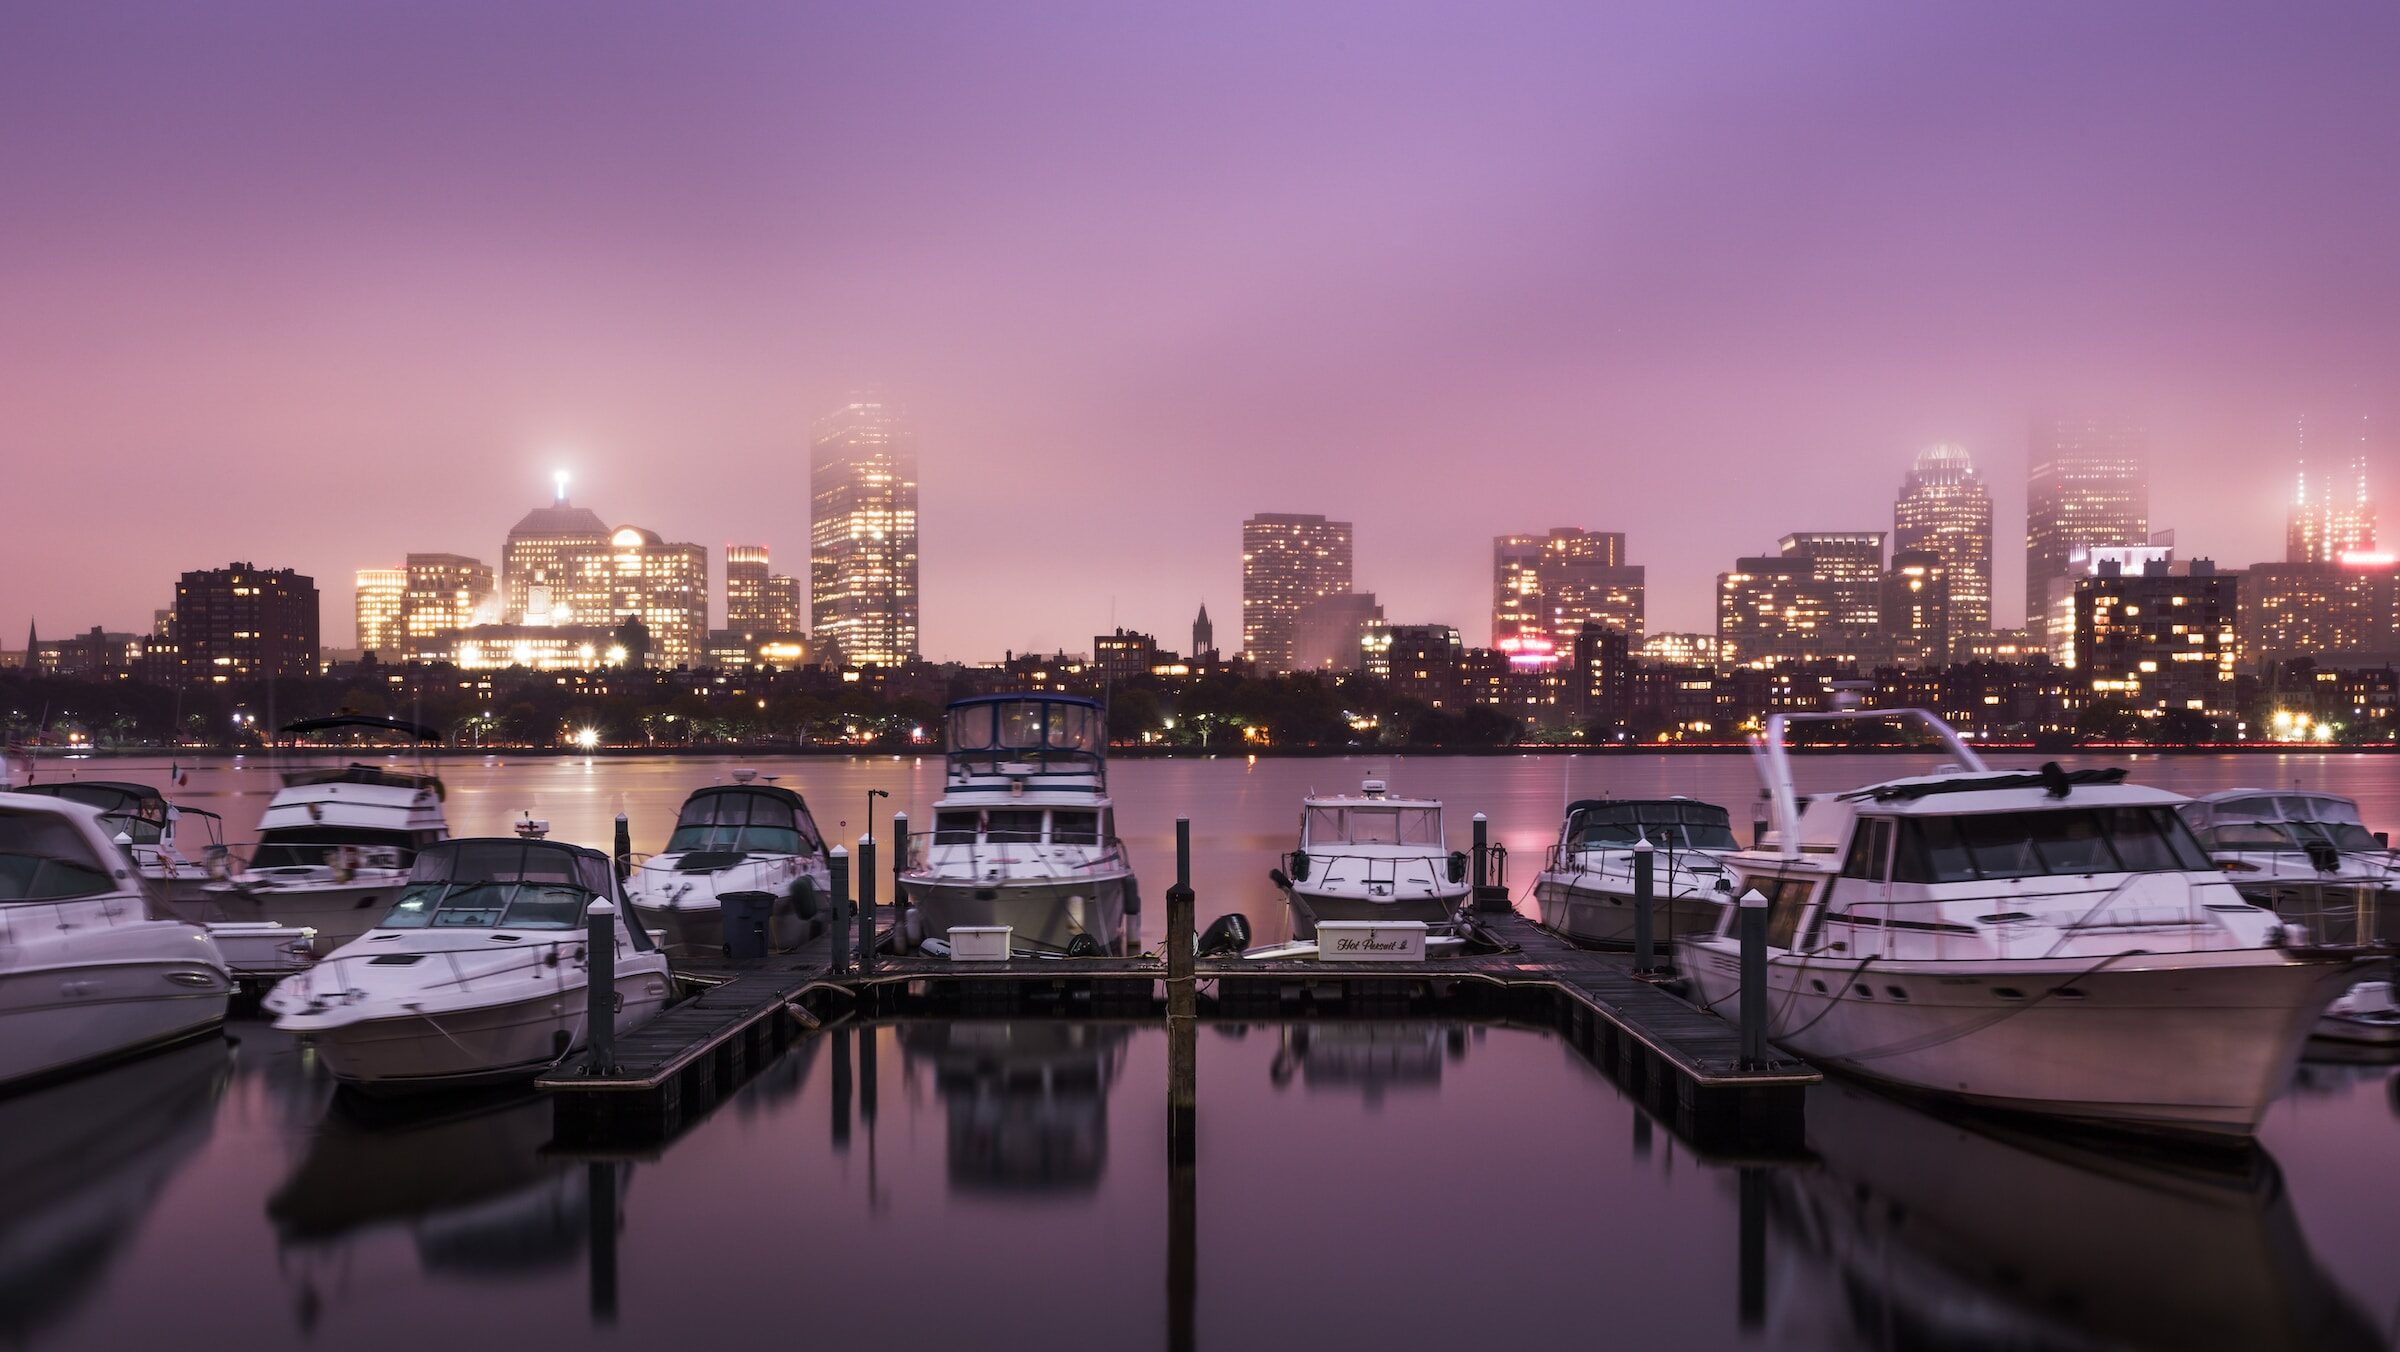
x=504 y=883
x=1026 y=737
x=1667 y=823
x=1022 y=826
x=739 y=819
x=1375 y=820
x=2285 y=819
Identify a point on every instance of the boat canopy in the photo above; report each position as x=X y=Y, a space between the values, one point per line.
x=503 y=882
x=1370 y=823
x=1667 y=823
x=363 y=722
x=2285 y=819
x=759 y=818
x=1057 y=732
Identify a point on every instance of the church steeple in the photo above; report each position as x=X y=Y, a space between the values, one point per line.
x=32 y=646
x=1204 y=635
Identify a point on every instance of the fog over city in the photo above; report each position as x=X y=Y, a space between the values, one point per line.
x=317 y=286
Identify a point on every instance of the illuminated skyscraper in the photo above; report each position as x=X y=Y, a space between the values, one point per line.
x=446 y=593
x=862 y=564
x=1917 y=608
x=2086 y=487
x=382 y=596
x=529 y=561
x=1547 y=589
x=635 y=573
x=2331 y=518
x=746 y=573
x=1945 y=508
x=1819 y=600
x=1288 y=560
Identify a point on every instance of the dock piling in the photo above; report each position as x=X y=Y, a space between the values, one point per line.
x=837 y=861
x=866 y=904
x=1645 y=902
x=1482 y=852
x=1754 y=980
x=1183 y=1007
x=624 y=848
x=600 y=986
x=899 y=893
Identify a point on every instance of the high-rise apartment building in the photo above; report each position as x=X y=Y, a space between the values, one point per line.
x=1329 y=633
x=1818 y=600
x=1546 y=589
x=862 y=563
x=529 y=562
x=2158 y=639
x=1945 y=507
x=1288 y=560
x=634 y=573
x=446 y=593
x=746 y=574
x=2086 y=487
x=241 y=622
x=1918 y=604
x=2332 y=518
x=381 y=601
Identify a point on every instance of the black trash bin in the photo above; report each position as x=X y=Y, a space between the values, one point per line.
x=745 y=916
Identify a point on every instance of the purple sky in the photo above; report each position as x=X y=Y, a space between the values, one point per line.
x=314 y=285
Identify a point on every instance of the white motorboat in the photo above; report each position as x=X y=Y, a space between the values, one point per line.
x=1586 y=889
x=334 y=847
x=1025 y=835
x=178 y=850
x=1372 y=857
x=476 y=975
x=2046 y=941
x=92 y=967
x=742 y=837
x=2307 y=857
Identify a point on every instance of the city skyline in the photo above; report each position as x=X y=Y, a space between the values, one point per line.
x=1448 y=276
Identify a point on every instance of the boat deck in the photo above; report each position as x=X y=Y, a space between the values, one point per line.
x=1680 y=1061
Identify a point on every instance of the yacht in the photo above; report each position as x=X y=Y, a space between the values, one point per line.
x=1370 y=856
x=1585 y=893
x=2050 y=941
x=2305 y=856
x=335 y=844
x=178 y=850
x=92 y=967
x=1024 y=834
x=729 y=838
x=475 y=975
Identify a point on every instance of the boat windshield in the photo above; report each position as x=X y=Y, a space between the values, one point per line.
x=2280 y=821
x=1392 y=825
x=1038 y=732
x=745 y=820
x=45 y=859
x=2050 y=842
x=493 y=884
x=303 y=846
x=1666 y=825
x=127 y=810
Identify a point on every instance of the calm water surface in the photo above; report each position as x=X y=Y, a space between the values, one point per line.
x=1005 y=1185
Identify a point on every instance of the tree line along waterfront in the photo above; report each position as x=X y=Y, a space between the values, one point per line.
x=1228 y=707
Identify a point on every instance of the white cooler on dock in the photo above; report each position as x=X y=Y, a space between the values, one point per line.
x=979 y=943
x=1370 y=941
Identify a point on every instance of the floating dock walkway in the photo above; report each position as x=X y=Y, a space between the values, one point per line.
x=1683 y=1064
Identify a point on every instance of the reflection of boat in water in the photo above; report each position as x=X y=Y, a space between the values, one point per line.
x=82 y=1165
x=469 y=1185
x=1027 y=1102
x=1963 y=1231
x=1370 y=1057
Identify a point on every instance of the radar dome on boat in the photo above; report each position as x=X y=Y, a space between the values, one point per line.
x=1373 y=788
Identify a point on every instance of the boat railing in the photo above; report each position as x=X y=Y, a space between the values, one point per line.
x=1613 y=860
x=1336 y=865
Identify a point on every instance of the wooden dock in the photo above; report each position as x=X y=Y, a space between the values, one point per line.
x=1681 y=1063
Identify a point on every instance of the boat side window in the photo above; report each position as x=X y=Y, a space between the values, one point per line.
x=2150 y=839
x=1785 y=905
x=2250 y=836
x=1074 y=828
x=1321 y=826
x=1706 y=827
x=1017 y=826
x=954 y=828
x=46 y=860
x=1870 y=849
x=1074 y=728
x=1930 y=851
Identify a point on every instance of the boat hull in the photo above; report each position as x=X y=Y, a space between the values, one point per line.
x=58 y=1020
x=1603 y=917
x=338 y=912
x=2187 y=1043
x=1045 y=914
x=464 y=1047
x=1438 y=912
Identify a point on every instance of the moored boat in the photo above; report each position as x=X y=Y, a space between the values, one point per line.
x=1024 y=835
x=1372 y=857
x=477 y=974
x=743 y=837
x=2051 y=941
x=1586 y=889
x=2307 y=856
x=178 y=850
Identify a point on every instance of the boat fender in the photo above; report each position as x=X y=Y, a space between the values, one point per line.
x=804 y=898
x=1275 y=876
x=1226 y=936
x=1300 y=865
x=1083 y=946
x=1458 y=866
